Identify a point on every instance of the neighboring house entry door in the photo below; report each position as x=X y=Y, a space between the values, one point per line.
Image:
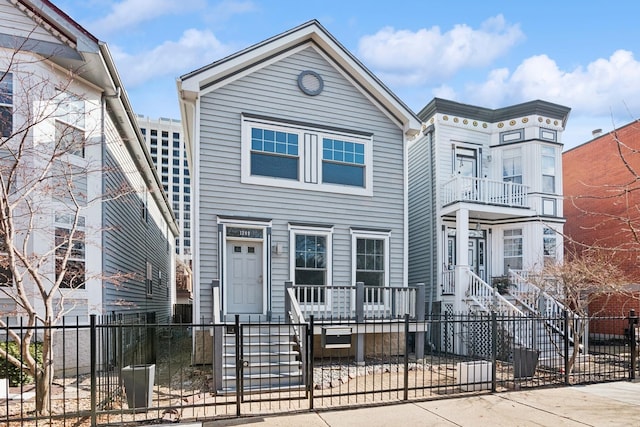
x=477 y=254
x=245 y=284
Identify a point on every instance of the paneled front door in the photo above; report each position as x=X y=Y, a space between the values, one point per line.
x=245 y=284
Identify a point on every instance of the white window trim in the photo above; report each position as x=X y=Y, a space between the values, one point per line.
x=304 y=159
x=327 y=232
x=378 y=235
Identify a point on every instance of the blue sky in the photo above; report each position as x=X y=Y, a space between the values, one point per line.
x=492 y=53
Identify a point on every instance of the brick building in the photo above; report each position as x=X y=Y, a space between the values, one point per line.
x=601 y=180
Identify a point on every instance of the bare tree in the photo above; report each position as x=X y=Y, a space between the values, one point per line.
x=583 y=283
x=46 y=137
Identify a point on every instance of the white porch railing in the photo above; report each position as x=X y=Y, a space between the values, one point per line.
x=448 y=283
x=483 y=190
x=539 y=302
x=488 y=298
x=354 y=302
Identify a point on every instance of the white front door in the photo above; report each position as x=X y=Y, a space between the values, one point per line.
x=245 y=284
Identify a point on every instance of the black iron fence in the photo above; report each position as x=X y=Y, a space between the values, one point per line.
x=116 y=370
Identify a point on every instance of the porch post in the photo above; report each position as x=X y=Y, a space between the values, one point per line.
x=462 y=257
x=216 y=307
x=287 y=301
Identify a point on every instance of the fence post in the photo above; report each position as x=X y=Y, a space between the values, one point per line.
x=406 y=356
x=494 y=350
x=633 y=321
x=566 y=346
x=310 y=334
x=93 y=359
x=420 y=321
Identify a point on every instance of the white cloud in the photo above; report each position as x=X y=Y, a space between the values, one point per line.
x=129 y=13
x=194 y=49
x=404 y=57
x=602 y=88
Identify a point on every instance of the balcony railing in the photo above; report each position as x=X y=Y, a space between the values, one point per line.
x=483 y=190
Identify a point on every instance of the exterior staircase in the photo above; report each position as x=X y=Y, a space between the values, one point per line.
x=270 y=359
x=537 y=318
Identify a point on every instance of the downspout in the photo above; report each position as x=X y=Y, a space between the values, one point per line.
x=103 y=154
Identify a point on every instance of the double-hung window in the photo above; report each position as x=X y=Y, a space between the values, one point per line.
x=6 y=104
x=512 y=240
x=70 y=252
x=548 y=169
x=311 y=263
x=343 y=162
x=300 y=156
x=6 y=276
x=274 y=153
x=512 y=166
x=549 y=246
x=371 y=255
x=70 y=124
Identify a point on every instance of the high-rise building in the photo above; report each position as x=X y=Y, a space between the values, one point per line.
x=164 y=140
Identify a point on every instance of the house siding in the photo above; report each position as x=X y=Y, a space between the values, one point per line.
x=272 y=92
x=423 y=254
x=17 y=24
x=130 y=241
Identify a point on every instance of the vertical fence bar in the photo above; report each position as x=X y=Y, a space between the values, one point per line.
x=93 y=358
x=566 y=346
x=633 y=321
x=406 y=356
x=238 y=365
x=310 y=334
x=494 y=350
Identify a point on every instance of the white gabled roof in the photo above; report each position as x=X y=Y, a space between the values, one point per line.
x=190 y=85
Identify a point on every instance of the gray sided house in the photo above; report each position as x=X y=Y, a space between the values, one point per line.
x=299 y=157
x=126 y=257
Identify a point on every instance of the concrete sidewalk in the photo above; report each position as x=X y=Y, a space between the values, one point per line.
x=608 y=404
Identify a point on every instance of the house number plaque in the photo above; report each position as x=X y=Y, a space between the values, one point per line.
x=251 y=233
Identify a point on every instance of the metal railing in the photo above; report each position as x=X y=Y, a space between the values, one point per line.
x=483 y=190
x=95 y=385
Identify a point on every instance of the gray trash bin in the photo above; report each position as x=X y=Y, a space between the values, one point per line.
x=525 y=361
x=138 y=385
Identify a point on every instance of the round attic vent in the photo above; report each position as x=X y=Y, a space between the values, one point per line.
x=310 y=82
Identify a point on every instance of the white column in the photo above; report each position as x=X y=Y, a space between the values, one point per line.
x=462 y=257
